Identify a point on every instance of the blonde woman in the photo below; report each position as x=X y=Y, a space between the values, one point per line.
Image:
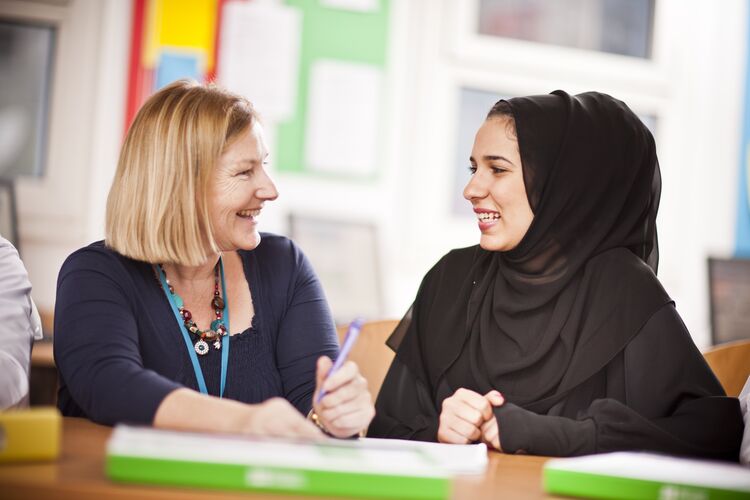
x=186 y=316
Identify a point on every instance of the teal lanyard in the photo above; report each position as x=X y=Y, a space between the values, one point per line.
x=186 y=335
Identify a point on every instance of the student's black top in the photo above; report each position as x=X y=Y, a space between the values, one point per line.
x=571 y=326
x=119 y=349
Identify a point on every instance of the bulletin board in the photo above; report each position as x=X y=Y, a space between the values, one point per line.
x=338 y=40
x=170 y=39
x=333 y=125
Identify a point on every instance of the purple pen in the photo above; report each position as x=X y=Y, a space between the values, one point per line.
x=351 y=336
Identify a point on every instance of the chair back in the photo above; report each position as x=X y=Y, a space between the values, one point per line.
x=370 y=352
x=731 y=364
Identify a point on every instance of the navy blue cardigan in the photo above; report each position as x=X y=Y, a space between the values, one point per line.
x=119 y=350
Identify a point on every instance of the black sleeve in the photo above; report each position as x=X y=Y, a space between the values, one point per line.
x=404 y=408
x=306 y=332
x=97 y=347
x=673 y=404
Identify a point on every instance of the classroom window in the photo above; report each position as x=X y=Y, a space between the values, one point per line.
x=614 y=26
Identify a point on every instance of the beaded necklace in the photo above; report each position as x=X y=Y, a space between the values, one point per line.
x=216 y=331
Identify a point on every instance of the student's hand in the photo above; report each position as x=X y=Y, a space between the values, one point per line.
x=490 y=428
x=346 y=409
x=462 y=417
x=277 y=417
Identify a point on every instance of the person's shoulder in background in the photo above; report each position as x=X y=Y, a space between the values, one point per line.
x=19 y=326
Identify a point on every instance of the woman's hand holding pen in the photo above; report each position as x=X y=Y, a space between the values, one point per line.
x=467 y=417
x=346 y=408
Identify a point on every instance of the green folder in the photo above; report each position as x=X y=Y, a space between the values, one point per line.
x=632 y=475
x=365 y=468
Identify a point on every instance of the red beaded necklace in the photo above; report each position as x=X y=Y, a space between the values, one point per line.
x=217 y=329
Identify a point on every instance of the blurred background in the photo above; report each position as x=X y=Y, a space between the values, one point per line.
x=370 y=108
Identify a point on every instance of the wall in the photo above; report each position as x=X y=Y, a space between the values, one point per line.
x=65 y=209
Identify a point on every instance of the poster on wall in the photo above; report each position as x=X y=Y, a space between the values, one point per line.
x=338 y=109
x=26 y=61
x=344 y=255
x=343 y=118
x=259 y=57
x=170 y=39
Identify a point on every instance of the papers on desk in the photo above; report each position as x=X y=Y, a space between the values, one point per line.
x=365 y=467
x=644 y=475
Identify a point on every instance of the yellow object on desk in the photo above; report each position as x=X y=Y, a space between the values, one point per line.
x=30 y=434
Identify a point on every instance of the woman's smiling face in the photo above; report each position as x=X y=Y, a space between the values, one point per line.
x=496 y=189
x=239 y=189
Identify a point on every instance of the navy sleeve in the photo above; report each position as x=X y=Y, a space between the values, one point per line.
x=96 y=344
x=306 y=331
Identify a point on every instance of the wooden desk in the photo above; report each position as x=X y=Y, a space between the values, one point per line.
x=79 y=474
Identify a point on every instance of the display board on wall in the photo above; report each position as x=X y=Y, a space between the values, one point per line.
x=345 y=257
x=729 y=293
x=26 y=60
x=170 y=39
x=339 y=90
x=314 y=70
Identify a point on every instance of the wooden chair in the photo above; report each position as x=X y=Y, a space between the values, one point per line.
x=370 y=352
x=731 y=364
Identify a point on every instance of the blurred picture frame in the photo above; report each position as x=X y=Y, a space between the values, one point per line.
x=344 y=255
x=27 y=52
x=8 y=213
x=729 y=295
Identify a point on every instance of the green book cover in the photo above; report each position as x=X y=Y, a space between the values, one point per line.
x=366 y=468
x=632 y=475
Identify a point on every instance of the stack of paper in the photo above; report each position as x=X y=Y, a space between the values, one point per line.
x=367 y=467
x=625 y=475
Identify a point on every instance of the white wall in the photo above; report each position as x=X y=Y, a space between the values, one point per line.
x=64 y=210
x=694 y=85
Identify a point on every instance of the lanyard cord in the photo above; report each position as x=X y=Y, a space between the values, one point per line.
x=186 y=335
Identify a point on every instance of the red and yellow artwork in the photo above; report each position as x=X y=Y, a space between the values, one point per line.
x=171 y=39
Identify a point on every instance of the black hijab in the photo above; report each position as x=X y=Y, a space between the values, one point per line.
x=540 y=319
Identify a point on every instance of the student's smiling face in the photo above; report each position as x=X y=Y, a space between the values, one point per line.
x=496 y=189
x=239 y=189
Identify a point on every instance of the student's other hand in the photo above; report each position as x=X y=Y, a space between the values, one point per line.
x=277 y=417
x=462 y=417
x=346 y=409
x=490 y=428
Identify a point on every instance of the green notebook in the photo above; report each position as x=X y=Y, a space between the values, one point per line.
x=626 y=475
x=372 y=468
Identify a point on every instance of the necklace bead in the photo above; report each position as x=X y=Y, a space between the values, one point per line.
x=218 y=302
x=216 y=329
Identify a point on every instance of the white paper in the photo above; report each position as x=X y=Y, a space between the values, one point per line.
x=649 y=466
x=259 y=55
x=456 y=458
x=343 y=117
x=370 y=456
x=356 y=5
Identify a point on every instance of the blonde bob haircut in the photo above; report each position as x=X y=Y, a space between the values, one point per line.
x=157 y=208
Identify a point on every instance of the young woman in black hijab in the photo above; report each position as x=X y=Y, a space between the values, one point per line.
x=553 y=336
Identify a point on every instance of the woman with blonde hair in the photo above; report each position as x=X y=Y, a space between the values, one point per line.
x=186 y=316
